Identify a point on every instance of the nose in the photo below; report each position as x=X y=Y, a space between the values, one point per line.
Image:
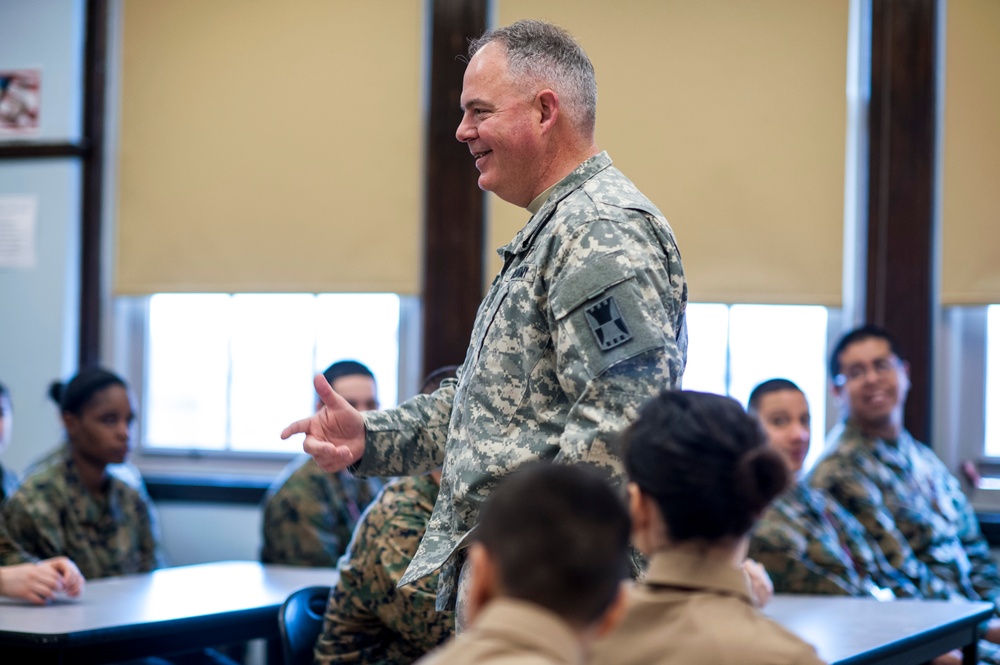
x=802 y=433
x=465 y=132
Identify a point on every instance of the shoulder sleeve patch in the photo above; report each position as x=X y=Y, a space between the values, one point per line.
x=607 y=323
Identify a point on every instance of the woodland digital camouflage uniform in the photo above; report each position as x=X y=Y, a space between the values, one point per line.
x=808 y=544
x=915 y=509
x=53 y=514
x=309 y=514
x=368 y=620
x=10 y=553
x=584 y=323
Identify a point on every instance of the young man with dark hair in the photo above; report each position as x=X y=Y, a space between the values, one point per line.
x=309 y=514
x=547 y=562
x=894 y=485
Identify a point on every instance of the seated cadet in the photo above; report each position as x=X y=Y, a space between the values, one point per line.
x=368 y=619
x=70 y=505
x=895 y=486
x=309 y=514
x=8 y=479
x=35 y=581
x=549 y=553
x=700 y=475
x=805 y=540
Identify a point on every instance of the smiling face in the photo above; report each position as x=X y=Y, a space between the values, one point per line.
x=101 y=433
x=501 y=125
x=784 y=415
x=873 y=383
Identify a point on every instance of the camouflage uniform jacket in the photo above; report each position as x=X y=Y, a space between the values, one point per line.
x=309 y=514
x=915 y=509
x=368 y=620
x=53 y=514
x=584 y=322
x=10 y=553
x=809 y=544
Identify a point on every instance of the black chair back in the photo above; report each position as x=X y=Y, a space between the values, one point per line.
x=301 y=620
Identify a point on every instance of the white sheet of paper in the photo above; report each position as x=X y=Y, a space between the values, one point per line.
x=18 y=217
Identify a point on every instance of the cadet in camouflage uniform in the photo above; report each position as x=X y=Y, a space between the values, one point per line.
x=584 y=322
x=70 y=505
x=368 y=620
x=896 y=487
x=24 y=577
x=805 y=540
x=309 y=514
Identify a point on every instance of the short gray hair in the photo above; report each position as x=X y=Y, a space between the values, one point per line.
x=543 y=52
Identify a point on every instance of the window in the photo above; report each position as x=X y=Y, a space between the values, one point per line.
x=732 y=348
x=228 y=372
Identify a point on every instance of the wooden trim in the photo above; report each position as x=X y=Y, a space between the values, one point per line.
x=454 y=213
x=95 y=84
x=902 y=194
x=26 y=150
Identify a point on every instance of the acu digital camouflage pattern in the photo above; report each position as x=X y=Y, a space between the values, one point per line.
x=368 y=620
x=915 y=509
x=808 y=544
x=309 y=514
x=539 y=380
x=53 y=514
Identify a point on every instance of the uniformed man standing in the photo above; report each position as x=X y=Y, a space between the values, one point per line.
x=584 y=322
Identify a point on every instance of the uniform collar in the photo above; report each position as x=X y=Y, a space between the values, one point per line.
x=530 y=626
x=581 y=174
x=688 y=570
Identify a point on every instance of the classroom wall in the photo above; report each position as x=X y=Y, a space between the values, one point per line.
x=39 y=310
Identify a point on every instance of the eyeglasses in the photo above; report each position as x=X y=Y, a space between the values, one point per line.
x=882 y=367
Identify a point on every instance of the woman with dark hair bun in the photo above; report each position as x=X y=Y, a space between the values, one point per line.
x=69 y=504
x=700 y=475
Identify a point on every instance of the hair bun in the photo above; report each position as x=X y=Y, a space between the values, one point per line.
x=760 y=476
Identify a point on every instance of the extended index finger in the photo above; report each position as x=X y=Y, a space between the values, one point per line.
x=298 y=427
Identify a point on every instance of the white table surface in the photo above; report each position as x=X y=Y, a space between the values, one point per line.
x=847 y=630
x=167 y=604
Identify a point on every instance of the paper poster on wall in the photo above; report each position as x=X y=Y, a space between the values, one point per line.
x=18 y=217
x=20 y=102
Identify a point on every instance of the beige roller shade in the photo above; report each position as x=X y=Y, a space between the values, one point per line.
x=270 y=146
x=971 y=180
x=731 y=116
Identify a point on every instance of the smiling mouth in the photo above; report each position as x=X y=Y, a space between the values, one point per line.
x=477 y=155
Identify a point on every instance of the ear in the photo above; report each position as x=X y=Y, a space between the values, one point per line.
x=615 y=612
x=642 y=516
x=637 y=507
x=547 y=102
x=71 y=423
x=483 y=586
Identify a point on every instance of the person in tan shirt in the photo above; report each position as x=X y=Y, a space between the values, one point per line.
x=547 y=564
x=700 y=474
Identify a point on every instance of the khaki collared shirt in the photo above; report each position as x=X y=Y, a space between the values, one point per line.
x=690 y=610
x=512 y=632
